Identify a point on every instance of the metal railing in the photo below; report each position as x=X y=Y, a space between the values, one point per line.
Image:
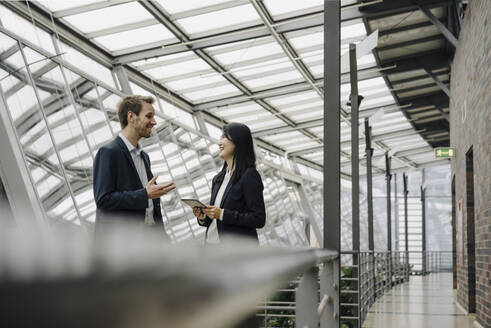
x=363 y=283
x=365 y=276
x=438 y=261
x=137 y=280
x=119 y=278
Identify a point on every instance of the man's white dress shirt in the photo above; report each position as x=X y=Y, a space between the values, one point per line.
x=142 y=173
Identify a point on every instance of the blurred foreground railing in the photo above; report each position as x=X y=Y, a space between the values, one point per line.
x=137 y=280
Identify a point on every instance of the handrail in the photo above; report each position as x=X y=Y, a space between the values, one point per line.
x=133 y=281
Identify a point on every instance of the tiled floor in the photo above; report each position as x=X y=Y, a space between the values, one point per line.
x=423 y=302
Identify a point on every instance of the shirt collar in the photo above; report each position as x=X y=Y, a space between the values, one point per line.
x=130 y=147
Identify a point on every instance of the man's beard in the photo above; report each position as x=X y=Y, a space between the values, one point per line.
x=142 y=132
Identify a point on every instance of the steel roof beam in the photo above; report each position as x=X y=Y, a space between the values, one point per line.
x=87 y=8
x=156 y=10
x=430 y=59
x=441 y=27
x=393 y=134
x=422 y=100
x=319 y=122
x=365 y=74
x=304 y=21
x=410 y=42
x=438 y=82
x=395 y=7
x=408 y=27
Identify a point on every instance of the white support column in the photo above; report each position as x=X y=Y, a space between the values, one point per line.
x=21 y=193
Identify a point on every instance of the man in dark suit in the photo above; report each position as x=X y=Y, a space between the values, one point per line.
x=124 y=186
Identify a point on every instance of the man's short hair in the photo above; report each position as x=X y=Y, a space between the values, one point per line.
x=133 y=104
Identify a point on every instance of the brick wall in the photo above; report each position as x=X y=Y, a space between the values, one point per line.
x=470 y=126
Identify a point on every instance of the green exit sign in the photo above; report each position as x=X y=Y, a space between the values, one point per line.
x=444 y=152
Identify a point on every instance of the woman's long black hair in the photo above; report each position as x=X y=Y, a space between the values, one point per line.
x=244 y=156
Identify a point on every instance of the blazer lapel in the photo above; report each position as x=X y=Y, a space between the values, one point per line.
x=227 y=189
x=214 y=192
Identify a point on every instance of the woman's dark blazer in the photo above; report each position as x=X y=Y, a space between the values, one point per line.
x=243 y=205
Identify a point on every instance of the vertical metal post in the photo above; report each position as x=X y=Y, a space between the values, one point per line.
x=331 y=124
x=306 y=300
x=406 y=242
x=389 y=218
x=332 y=183
x=454 y=236
x=423 y=228
x=355 y=176
x=396 y=215
x=369 y=154
x=328 y=286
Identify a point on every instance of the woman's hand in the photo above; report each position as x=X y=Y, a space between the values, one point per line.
x=212 y=212
x=198 y=213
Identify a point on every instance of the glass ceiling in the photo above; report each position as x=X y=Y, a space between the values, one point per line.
x=213 y=56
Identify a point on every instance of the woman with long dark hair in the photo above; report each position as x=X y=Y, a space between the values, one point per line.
x=237 y=203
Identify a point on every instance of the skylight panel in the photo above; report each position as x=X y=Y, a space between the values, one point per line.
x=283 y=136
x=79 y=150
x=25 y=29
x=55 y=5
x=177 y=6
x=238 y=110
x=86 y=64
x=42 y=144
x=23 y=100
x=282 y=78
x=17 y=61
x=252 y=52
x=99 y=136
x=47 y=185
x=278 y=7
x=176 y=70
x=283 y=100
x=112 y=16
x=246 y=118
x=367 y=103
x=300 y=141
x=262 y=67
x=307 y=115
x=219 y=19
x=259 y=124
x=6 y=42
x=207 y=94
x=7 y=81
x=136 y=37
x=204 y=79
x=309 y=40
x=353 y=30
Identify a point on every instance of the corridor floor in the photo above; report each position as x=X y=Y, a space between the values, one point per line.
x=427 y=301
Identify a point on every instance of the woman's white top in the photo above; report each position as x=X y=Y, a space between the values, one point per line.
x=212 y=236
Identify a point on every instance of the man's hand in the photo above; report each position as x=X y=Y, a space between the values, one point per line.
x=199 y=213
x=157 y=191
x=212 y=212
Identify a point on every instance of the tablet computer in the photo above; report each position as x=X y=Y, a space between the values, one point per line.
x=193 y=203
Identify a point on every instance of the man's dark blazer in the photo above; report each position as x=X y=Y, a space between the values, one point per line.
x=243 y=206
x=118 y=191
